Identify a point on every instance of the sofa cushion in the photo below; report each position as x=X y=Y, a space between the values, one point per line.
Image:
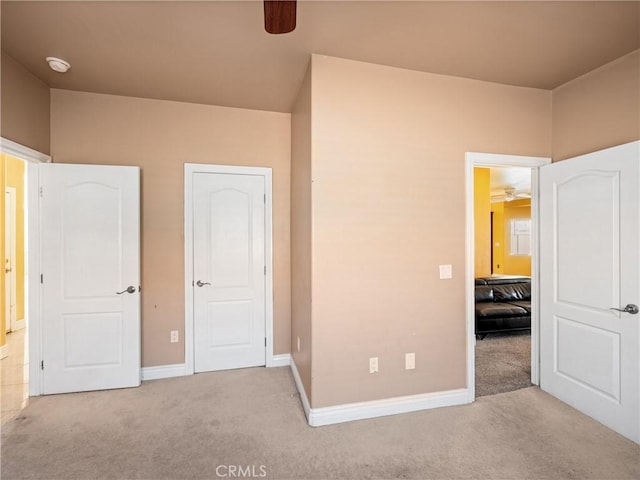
x=512 y=292
x=484 y=293
x=499 y=310
x=487 y=325
x=526 y=304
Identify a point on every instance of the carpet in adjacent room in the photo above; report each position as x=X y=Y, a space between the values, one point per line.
x=503 y=363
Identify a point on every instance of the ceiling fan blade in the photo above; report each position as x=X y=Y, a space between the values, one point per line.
x=279 y=16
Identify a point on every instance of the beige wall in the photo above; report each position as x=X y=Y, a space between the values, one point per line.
x=25 y=106
x=598 y=110
x=388 y=208
x=160 y=136
x=301 y=243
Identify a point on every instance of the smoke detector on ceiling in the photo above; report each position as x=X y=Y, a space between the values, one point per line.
x=58 y=65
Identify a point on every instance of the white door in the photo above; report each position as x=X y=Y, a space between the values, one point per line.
x=229 y=271
x=589 y=265
x=90 y=277
x=10 y=278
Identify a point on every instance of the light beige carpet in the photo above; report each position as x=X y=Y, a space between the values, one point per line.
x=207 y=425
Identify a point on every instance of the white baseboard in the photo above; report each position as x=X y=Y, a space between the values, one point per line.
x=303 y=395
x=164 y=371
x=180 y=369
x=282 y=360
x=4 y=351
x=388 y=406
x=377 y=408
x=18 y=325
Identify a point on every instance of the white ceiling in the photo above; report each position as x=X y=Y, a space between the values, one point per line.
x=510 y=177
x=217 y=52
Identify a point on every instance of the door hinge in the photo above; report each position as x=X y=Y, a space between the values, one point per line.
x=265 y=341
x=265 y=269
x=41 y=278
x=41 y=364
x=265 y=198
x=41 y=191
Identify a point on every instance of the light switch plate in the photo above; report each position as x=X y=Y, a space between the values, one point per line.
x=410 y=361
x=446 y=271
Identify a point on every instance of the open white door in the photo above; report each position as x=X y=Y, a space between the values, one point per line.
x=90 y=277
x=589 y=267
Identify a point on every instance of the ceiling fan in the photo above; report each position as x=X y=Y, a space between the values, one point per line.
x=510 y=194
x=279 y=16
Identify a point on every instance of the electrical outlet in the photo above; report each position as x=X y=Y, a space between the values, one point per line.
x=298 y=344
x=410 y=361
x=373 y=364
x=174 y=336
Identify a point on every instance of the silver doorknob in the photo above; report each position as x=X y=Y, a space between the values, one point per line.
x=200 y=283
x=130 y=289
x=630 y=308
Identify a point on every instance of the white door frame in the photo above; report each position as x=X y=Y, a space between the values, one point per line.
x=33 y=312
x=189 y=170
x=10 y=196
x=474 y=159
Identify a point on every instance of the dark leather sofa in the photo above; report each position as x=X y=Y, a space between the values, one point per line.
x=502 y=304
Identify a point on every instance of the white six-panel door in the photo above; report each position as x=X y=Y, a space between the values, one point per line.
x=90 y=257
x=590 y=264
x=229 y=268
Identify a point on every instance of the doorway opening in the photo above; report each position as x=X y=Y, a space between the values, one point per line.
x=502 y=279
x=502 y=238
x=15 y=361
x=20 y=171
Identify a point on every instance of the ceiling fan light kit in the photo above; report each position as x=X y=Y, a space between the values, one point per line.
x=279 y=16
x=510 y=194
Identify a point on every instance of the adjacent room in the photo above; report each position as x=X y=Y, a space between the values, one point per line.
x=502 y=213
x=228 y=222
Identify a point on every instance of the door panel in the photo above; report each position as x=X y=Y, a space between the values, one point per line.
x=91 y=241
x=576 y=341
x=586 y=229
x=90 y=253
x=589 y=264
x=229 y=261
x=92 y=340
